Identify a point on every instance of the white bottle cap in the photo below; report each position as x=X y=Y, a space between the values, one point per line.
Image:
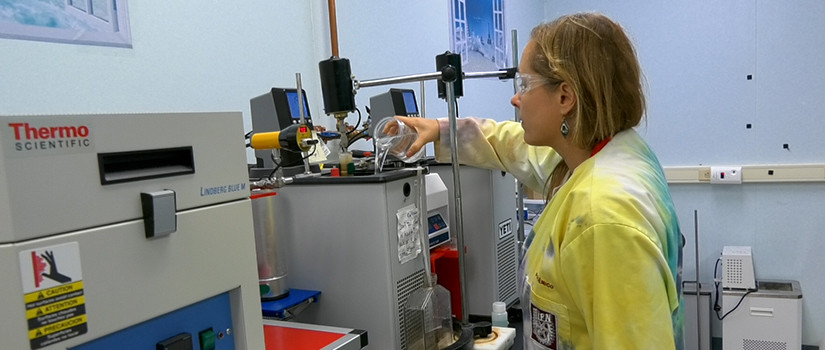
x=499 y=306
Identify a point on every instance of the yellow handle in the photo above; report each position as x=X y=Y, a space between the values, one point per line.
x=266 y=140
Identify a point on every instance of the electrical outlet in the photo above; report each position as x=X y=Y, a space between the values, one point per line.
x=704 y=174
x=726 y=175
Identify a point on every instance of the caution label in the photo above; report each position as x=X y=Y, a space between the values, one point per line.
x=53 y=294
x=57 y=332
x=52 y=305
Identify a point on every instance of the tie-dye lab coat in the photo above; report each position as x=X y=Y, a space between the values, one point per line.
x=602 y=268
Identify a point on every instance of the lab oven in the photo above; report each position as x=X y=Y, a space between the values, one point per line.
x=344 y=240
x=491 y=258
x=124 y=231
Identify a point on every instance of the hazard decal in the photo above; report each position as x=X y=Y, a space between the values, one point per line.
x=53 y=294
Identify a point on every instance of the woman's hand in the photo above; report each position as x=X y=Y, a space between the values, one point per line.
x=428 y=131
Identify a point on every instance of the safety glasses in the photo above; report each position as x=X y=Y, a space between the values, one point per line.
x=526 y=82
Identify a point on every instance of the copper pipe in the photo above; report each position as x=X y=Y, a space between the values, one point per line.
x=333 y=28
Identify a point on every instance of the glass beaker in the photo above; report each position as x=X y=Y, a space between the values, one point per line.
x=394 y=137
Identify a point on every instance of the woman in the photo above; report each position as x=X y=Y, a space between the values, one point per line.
x=602 y=267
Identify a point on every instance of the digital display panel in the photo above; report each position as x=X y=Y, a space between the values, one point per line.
x=294 y=108
x=439 y=232
x=409 y=102
x=436 y=223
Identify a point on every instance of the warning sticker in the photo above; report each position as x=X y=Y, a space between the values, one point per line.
x=53 y=294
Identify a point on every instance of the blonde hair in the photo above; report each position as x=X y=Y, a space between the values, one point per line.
x=594 y=55
x=596 y=58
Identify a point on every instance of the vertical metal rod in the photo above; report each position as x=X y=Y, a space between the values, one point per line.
x=422 y=104
x=517 y=118
x=459 y=215
x=302 y=114
x=698 y=285
x=423 y=228
x=299 y=86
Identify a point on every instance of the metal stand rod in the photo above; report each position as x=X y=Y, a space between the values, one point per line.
x=490 y=74
x=698 y=285
x=519 y=186
x=423 y=77
x=302 y=114
x=459 y=215
x=423 y=102
x=397 y=80
x=424 y=232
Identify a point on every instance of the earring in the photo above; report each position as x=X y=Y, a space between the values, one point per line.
x=565 y=128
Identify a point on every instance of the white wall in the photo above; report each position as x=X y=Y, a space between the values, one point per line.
x=209 y=56
x=696 y=57
x=386 y=39
x=217 y=56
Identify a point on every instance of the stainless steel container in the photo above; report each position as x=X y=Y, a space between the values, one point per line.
x=269 y=246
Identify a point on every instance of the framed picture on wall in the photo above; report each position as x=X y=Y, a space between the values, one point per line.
x=84 y=22
x=477 y=33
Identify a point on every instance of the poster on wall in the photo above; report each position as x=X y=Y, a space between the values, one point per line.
x=478 y=34
x=82 y=22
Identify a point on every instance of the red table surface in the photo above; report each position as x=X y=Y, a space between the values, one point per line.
x=277 y=338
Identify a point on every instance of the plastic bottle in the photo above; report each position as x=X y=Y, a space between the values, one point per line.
x=347 y=167
x=499 y=315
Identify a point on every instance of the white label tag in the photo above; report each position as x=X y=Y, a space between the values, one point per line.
x=409 y=223
x=319 y=152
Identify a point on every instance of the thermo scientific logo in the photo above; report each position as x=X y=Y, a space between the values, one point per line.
x=51 y=137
